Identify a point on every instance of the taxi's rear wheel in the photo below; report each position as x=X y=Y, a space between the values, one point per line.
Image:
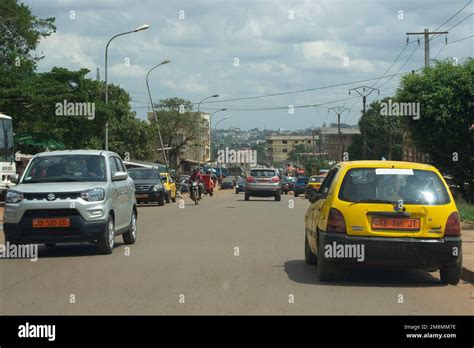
x=451 y=274
x=309 y=256
x=324 y=269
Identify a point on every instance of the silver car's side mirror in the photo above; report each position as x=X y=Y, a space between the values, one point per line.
x=118 y=176
x=14 y=178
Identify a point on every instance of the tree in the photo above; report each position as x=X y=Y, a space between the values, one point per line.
x=446 y=96
x=20 y=34
x=384 y=135
x=178 y=125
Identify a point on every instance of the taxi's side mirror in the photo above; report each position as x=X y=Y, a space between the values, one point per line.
x=313 y=195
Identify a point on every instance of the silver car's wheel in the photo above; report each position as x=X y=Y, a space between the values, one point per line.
x=106 y=243
x=111 y=234
x=130 y=236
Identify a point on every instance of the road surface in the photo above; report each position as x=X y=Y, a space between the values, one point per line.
x=186 y=261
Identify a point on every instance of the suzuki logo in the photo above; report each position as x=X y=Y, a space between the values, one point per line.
x=51 y=197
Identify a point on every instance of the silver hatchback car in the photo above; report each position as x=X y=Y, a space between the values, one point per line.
x=72 y=196
x=263 y=182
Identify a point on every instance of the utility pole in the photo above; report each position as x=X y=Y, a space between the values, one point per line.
x=364 y=92
x=320 y=144
x=338 y=110
x=427 y=34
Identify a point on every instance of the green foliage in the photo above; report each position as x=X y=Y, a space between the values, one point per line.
x=313 y=165
x=446 y=95
x=384 y=135
x=178 y=125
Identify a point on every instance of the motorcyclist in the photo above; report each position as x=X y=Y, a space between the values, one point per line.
x=197 y=176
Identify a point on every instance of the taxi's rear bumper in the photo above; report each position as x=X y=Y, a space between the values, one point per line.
x=423 y=253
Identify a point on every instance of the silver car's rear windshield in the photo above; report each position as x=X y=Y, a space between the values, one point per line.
x=412 y=186
x=263 y=173
x=66 y=168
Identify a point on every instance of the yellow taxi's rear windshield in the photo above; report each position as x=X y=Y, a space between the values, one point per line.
x=412 y=186
x=317 y=179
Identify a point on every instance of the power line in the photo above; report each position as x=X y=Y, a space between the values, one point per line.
x=467 y=37
x=450 y=43
x=406 y=61
x=454 y=26
x=390 y=67
x=298 y=91
x=434 y=37
x=454 y=15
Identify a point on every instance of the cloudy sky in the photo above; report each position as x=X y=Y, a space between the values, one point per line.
x=250 y=48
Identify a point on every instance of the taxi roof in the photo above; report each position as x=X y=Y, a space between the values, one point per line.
x=384 y=164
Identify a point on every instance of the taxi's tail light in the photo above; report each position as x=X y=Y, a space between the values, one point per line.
x=453 y=226
x=250 y=179
x=276 y=179
x=336 y=222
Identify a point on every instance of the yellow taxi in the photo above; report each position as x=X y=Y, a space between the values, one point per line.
x=383 y=213
x=170 y=187
x=315 y=181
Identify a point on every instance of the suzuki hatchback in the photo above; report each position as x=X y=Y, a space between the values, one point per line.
x=70 y=197
x=384 y=213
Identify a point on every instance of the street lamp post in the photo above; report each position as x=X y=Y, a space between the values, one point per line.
x=154 y=113
x=210 y=134
x=200 y=129
x=215 y=129
x=140 y=28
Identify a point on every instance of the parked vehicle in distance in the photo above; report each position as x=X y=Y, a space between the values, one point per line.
x=170 y=187
x=72 y=196
x=148 y=185
x=287 y=184
x=399 y=214
x=240 y=186
x=263 y=183
x=7 y=155
x=228 y=183
x=315 y=181
x=300 y=185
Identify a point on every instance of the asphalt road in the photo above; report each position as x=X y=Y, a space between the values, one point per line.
x=184 y=262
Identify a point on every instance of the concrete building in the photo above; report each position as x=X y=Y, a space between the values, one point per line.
x=333 y=145
x=324 y=142
x=277 y=147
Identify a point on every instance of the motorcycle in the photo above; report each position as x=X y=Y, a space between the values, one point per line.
x=194 y=192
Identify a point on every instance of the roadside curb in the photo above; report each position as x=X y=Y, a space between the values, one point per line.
x=467 y=273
